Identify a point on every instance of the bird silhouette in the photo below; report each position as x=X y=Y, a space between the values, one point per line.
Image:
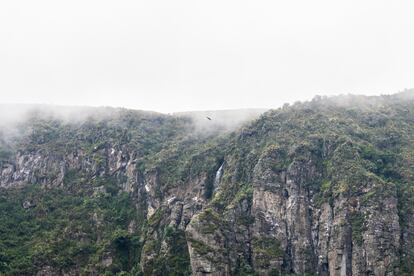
x=208 y=118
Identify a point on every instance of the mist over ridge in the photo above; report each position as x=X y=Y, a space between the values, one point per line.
x=15 y=113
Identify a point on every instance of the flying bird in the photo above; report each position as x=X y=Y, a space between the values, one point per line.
x=208 y=118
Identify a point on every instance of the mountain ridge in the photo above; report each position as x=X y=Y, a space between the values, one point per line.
x=321 y=187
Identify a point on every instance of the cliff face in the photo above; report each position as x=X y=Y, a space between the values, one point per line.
x=324 y=187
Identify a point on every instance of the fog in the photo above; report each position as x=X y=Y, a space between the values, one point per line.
x=12 y=114
x=203 y=122
x=221 y=120
x=171 y=56
x=213 y=122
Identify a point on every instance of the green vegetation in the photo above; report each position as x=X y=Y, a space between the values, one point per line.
x=200 y=247
x=92 y=224
x=211 y=221
x=266 y=249
x=270 y=247
x=357 y=224
x=62 y=231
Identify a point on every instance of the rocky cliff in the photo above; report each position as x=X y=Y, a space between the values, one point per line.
x=324 y=187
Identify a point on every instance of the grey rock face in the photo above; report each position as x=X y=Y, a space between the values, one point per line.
x=294 y=234
x=290 y=232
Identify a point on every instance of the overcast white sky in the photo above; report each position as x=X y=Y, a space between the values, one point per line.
x=196 y=55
